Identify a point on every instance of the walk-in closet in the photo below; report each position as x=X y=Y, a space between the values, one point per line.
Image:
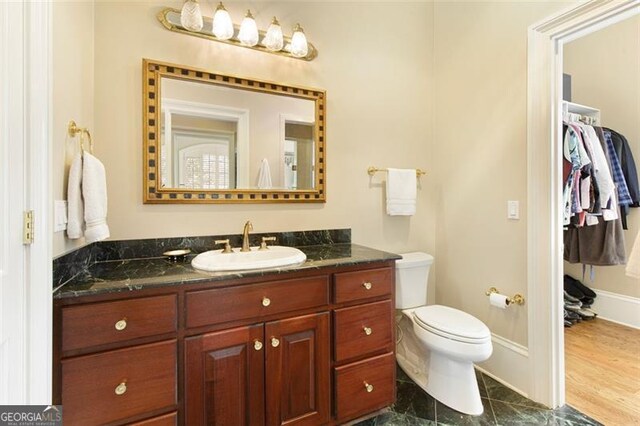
x=601 y=222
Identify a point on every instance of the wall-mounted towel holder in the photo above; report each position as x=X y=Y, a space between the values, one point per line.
x=373 y=170
x=517 y=298
x=74 y=130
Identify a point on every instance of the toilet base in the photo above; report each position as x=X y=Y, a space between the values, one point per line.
x=454 y=383
x=449 y=380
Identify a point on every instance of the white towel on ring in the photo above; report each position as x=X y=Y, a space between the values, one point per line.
x=94 y=193
x=75 y=222
x=401 y=192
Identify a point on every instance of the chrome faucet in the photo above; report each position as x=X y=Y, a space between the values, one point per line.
x=245 y=236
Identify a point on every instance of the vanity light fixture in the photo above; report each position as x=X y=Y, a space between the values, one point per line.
x=222 y=26
x=274 y=40
x=248 y=34
x=299 y=46
x=190 y=15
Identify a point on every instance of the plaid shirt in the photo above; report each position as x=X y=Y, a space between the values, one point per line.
x=624 y=197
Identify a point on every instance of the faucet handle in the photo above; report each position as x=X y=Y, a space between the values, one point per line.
x=227 y=247
x=263 y=244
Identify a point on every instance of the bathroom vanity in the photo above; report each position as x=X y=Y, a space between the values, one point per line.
x=311 y=344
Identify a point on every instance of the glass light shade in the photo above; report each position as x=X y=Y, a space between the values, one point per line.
x=248 y=34
x=190 y=16
x=222 y=25
x=274 y=40
x=299 y=46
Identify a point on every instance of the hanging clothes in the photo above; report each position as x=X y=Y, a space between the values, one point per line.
x=622 y=151
x=593 y=235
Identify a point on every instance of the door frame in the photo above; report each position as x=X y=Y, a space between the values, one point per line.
x=25 y=114
x=544 y=186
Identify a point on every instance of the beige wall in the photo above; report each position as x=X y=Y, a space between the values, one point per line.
x=605 y=71
x=372 y=78
x=72 y=93
x=481 y=150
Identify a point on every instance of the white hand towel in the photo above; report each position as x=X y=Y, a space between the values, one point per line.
x=264 y=175
x=75 y=223
x=401 y=192
x=94 y=192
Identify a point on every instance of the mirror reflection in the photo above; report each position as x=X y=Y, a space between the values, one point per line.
x=215 y=137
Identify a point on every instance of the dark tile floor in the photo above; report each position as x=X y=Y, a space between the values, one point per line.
x=502 y=406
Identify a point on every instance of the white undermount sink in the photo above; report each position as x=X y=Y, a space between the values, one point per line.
x=274 y=256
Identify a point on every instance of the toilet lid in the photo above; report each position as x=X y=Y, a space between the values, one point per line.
x=452 y=323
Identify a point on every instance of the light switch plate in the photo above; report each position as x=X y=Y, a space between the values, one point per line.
x=513 y=210
x=60 y=215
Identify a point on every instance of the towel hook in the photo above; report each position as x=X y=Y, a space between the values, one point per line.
x=74 y=130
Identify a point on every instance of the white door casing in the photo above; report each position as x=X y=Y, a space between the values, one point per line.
x=25 y=277
x=544 y=186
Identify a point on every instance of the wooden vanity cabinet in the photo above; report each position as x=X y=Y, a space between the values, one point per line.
x=314 y=348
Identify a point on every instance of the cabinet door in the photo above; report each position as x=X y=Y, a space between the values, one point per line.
x=298 y=388
x=224 y=377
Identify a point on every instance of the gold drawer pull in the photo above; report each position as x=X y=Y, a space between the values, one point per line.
x=257 y=345
x=275 y=342
x=367 y=330
x=121 y=388
x=367 y=285
x=266 y=301
x=121 y=325
x=368 y=387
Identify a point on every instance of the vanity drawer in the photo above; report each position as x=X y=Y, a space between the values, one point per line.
x=96 y=324
x=170 y=419
x=255 y=301
x=354 y=397
x=349 y=286
x=92 y=390
x=363 y=329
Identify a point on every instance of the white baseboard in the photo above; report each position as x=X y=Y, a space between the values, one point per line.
x=617 y=308
x=507 y=364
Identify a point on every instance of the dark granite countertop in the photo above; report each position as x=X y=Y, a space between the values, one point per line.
x=136 y=274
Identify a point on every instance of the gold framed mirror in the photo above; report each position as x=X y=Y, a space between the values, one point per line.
x=216 y=138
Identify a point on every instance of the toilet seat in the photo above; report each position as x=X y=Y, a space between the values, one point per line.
x=452 y=324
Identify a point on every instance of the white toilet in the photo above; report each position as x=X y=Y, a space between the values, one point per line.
x=437 y=345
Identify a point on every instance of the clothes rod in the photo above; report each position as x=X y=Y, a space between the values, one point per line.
x=373 y=170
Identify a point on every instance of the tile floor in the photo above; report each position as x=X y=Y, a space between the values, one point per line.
x=502 y=406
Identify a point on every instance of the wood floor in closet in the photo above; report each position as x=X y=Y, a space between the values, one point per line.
x=602 y=363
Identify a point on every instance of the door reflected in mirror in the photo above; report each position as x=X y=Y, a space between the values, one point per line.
x=221 y=138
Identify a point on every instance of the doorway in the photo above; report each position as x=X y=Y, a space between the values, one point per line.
x=545 y=202
x=601 y=93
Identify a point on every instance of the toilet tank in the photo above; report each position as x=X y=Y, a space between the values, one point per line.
x=412 y=274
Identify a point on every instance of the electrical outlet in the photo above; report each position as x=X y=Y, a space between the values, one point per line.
x=513 y=210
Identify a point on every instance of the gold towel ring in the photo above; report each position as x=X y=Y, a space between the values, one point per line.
x=74 y=130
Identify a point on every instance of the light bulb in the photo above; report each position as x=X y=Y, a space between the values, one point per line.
x=190 y=16
x=248 y=34
x=274 y=40
x=222 y=25
x=299 y=47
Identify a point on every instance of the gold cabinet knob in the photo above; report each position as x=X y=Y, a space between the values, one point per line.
x=121 y=388
x=367 y=330
x=368 y=387
x=121 y=325
x=367 y=285
x=266 y=301
x=257 y=345
x=275 y=342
